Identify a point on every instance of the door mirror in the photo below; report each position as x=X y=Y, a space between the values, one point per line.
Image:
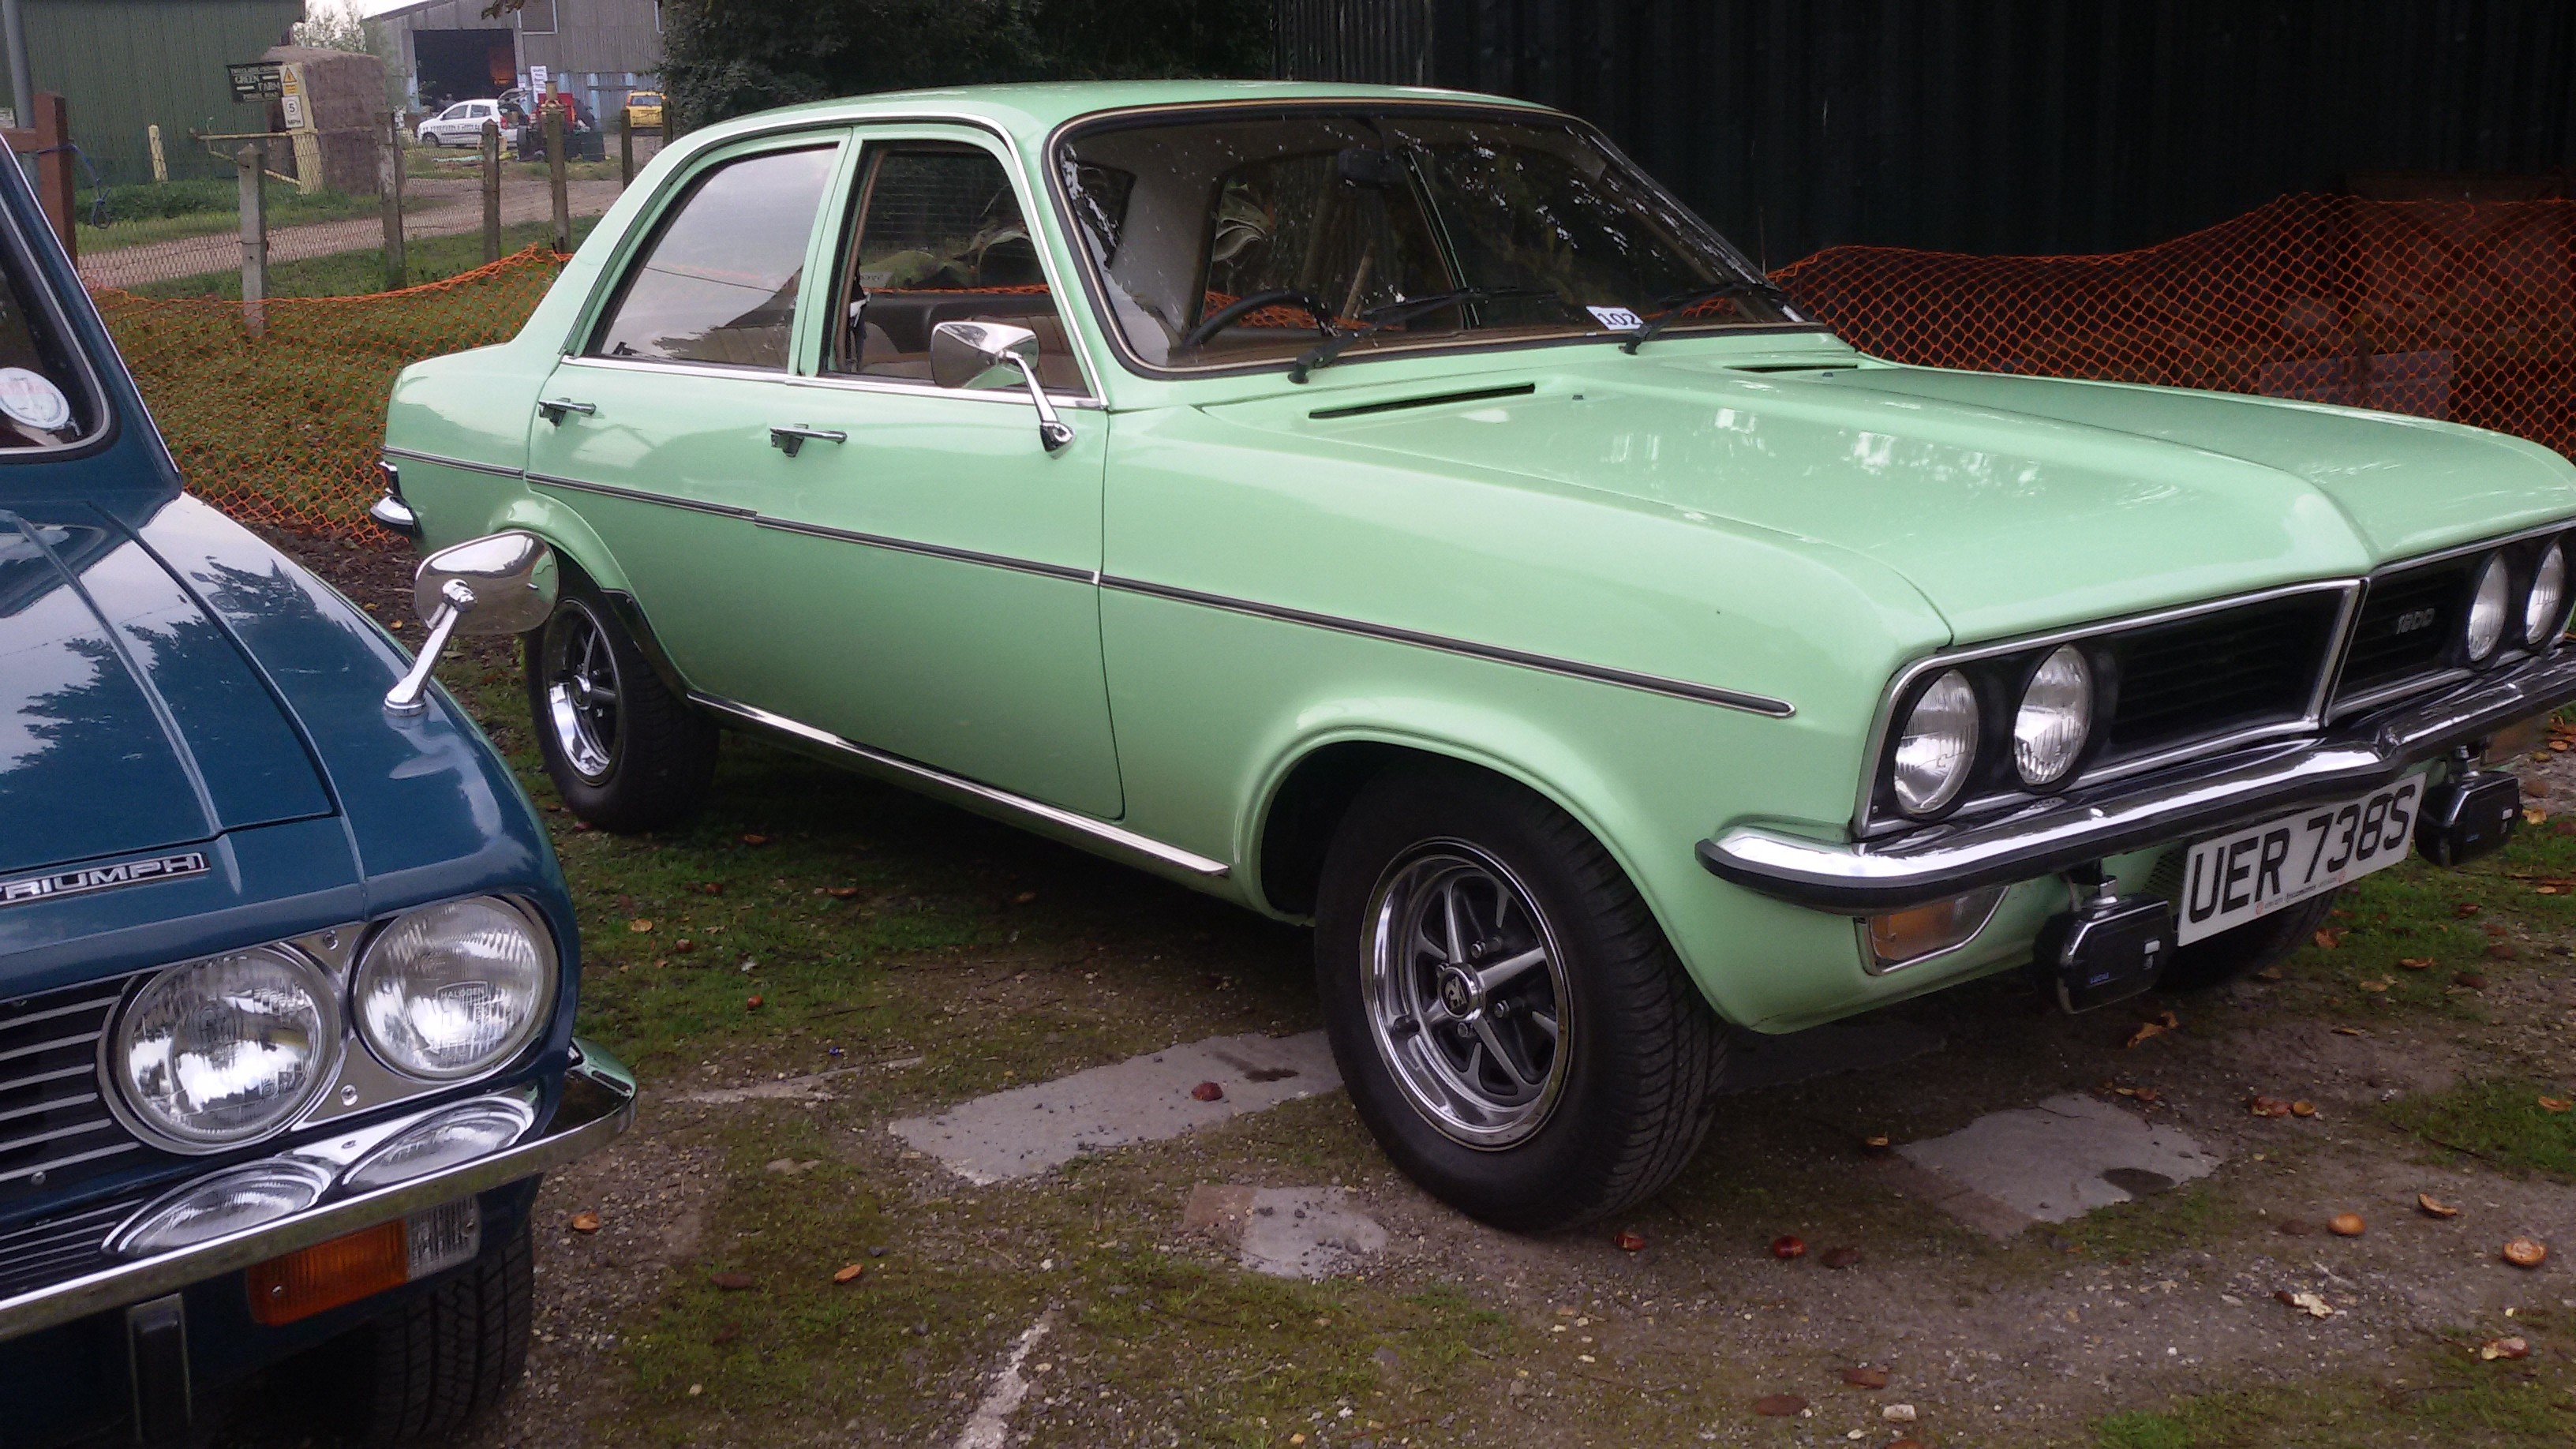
x=961 y=352
x=504 y=583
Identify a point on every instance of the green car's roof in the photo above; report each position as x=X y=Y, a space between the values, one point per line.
x=1030 y=111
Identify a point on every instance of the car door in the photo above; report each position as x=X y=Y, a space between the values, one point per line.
x=654 y=427
x=938 y=562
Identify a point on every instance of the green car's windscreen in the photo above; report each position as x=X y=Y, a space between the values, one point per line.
x=1225 y=238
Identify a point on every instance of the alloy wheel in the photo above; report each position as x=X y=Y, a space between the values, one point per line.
x=582 y=691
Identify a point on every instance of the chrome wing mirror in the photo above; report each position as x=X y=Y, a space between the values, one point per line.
x=503 y=583
x=961 y=352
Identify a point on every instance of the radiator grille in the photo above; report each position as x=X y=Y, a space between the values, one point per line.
x=2408 y=622
x=2217 y=673
x=59 y=1248
x=54 y=1127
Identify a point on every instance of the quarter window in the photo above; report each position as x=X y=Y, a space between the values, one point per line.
x=718 y=281
x=939 y=237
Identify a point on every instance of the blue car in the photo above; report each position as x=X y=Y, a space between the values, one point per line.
x=286 y=962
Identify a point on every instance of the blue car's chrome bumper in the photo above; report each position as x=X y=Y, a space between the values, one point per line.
x=598 y=1103
x=2080 y=826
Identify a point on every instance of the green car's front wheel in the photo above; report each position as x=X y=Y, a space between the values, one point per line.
x=1508 y=1018
x=624 y=752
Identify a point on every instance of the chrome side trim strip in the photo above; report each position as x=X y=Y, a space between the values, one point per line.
x=860 y=382
x=936 y=778
x=1494 y=653
x=414 y=454
x=631 y=495
x=930 y=550
x=2086 y=825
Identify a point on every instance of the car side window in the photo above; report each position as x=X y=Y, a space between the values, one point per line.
x=937 y=236
x=718 y=281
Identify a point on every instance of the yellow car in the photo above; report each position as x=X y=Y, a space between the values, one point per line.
x=644 y=110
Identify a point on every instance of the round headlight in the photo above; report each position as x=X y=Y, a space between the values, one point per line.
x=2546 y=604
x=1937 y=745
x=217 y=1052
x=2055 y=718
x=451 y=990
x=2486 y=611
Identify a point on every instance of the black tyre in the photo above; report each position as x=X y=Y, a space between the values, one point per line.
x=625 y=752
x=427 y=1370
x=2240 y=950
x=1507 y=1016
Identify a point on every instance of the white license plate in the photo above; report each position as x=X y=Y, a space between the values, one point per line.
x=2253 y=872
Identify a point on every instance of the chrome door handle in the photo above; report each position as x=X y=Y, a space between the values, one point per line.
x=788 y=440
x=552 y=409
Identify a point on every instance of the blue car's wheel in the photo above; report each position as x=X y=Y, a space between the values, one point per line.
x=431 y=1367
x=1509 y=1019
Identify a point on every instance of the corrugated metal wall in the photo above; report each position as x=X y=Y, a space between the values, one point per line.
x=1996 y=125
x=126 y=64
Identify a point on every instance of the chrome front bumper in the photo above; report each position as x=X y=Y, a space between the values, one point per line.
x=598 y=1104
x=2081 y=826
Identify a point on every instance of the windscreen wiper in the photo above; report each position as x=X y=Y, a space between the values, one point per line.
x=1680 y=303
x=1378 y=319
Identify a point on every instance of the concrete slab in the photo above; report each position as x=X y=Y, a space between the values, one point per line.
x=1286 y=1232
x=1757 y=1063
x=2059 y=1160
x=1030 y=1130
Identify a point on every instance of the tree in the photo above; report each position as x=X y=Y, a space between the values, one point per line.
x=727 y=57
x=332 y=25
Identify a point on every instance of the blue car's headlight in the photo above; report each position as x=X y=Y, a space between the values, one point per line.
x=214 y=1053
x=453 y=990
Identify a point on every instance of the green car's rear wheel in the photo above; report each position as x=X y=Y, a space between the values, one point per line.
x=1510 y=1022
x=625 y=753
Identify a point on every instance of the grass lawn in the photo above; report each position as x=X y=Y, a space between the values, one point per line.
x=140 y=214
x=351 y=274
x=467 y=161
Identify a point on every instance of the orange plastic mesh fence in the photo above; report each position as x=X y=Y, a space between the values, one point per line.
x=2441 y=309
x=283 y=427
x=2437 y=308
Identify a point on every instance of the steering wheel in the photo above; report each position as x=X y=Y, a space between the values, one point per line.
x=1218 y=320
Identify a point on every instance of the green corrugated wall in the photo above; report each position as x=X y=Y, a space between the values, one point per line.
x=125 y=64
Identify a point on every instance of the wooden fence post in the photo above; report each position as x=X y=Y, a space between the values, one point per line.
x=491 y=191
x=555 y=139
x=625 y=146
x=253 y=170
x=54 y=167
x=389 y=184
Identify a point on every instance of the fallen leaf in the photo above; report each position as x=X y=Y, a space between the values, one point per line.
x=2465 y=909
x=683 y=946
x=585 y=1222
x=2268 y=1107
x=713 y=887
x=2309 y=1303
x=2503 y=951
x=2435 y=1207
x=2327 y=938
x=2555 y=1104
x=849 y=1273
x=1208 y=1092
x=1778 y=1406
x=1898 y=1413
x=1865 y=1378
x=2268 y=973
x=1875 y=1142
x=1785 y=1247
x=730 y=1282
x=2496 y=1348
x=2345 y=1225
x=1024 y=897
x=2526 y=1252
x=639 y=925
x=2350 y=1031
x=840 y=893
x=1839 y=1257
x=2147 y=1031
x=2534 y=815
x=2470 y=979
x=1631 y=1242
x=2379 y=983
x=751 y=1003
x=2303 y=1109
x=755 y=839
x=2415 y=963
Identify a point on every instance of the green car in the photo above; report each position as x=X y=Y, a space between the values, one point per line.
x=1392 y=510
